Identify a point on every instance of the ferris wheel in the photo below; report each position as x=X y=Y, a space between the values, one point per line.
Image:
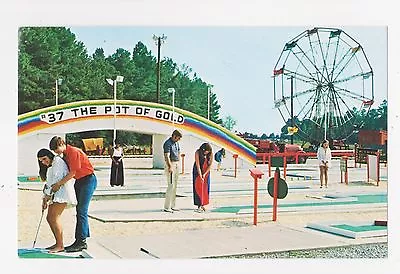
x=323 y=84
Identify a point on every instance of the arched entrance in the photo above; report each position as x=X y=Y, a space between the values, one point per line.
x=36 y=128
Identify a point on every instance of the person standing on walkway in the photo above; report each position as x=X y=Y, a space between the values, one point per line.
x=324 y=159
x=219 y=155
x=82 y=170
x=117 y=165
x=201 y=176
x=171 y=157
x=53 y=168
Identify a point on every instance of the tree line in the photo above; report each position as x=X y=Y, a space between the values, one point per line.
x=50 y=53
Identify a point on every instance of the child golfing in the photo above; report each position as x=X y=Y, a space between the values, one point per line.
x=218 y=156
x=53 y=168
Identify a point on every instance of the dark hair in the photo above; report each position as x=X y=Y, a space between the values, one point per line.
x=42 y=168
x=222 y=151
x=55 y=142
x=323 y=142
x=205 y=147
x=177 y=133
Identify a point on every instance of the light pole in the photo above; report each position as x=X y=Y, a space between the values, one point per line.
x=158 y=40
x=58 y=82
x=114 y=84
x=172 y=90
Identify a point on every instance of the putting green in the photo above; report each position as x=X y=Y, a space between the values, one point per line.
x=361 y=199
x=360 y=228
x=40 y=254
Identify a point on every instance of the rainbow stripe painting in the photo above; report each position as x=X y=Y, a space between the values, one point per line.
x=70 y=113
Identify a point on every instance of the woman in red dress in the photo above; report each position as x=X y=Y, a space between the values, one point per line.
x=201 y=176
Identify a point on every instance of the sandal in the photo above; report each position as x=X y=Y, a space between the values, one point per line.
x=51 y=247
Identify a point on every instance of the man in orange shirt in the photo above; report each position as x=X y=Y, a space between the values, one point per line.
x=81 y=169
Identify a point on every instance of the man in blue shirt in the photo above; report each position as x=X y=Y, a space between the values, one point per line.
x=171 y=157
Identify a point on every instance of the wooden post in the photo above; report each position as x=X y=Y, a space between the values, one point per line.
x=183 y=163
x=235 y=156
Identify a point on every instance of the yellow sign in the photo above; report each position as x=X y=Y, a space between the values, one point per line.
x=292 y=130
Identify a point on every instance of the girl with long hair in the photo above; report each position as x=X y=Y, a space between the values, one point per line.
x=201 y=176
x=53 y=168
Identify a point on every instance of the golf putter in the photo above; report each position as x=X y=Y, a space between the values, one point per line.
x=37 y=232
x=149 y=253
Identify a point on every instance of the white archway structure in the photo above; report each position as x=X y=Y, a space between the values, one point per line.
x=36 y=128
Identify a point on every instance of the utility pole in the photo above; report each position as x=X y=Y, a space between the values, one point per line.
x=208 y=102
x=159 y=40
x=291 y=107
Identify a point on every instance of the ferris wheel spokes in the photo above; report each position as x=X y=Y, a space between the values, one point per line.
x=329 y=78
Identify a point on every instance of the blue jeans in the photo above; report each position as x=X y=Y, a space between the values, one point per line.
x=84 y=189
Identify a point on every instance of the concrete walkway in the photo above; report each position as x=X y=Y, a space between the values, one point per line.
x=141 y=200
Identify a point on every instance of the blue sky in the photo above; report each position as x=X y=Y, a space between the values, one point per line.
x=238 y=61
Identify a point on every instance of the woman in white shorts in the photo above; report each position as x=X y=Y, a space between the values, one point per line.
x=52 y=168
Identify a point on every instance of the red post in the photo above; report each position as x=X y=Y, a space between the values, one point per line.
x=255 y=205
x=275 y=203
x=256 y=174
x=235 y=156
x=183 y=163
x=264 y=158
x=297 y=157
x=284 y=167
x=269 y=165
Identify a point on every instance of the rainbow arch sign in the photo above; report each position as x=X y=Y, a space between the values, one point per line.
x=143 y=117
